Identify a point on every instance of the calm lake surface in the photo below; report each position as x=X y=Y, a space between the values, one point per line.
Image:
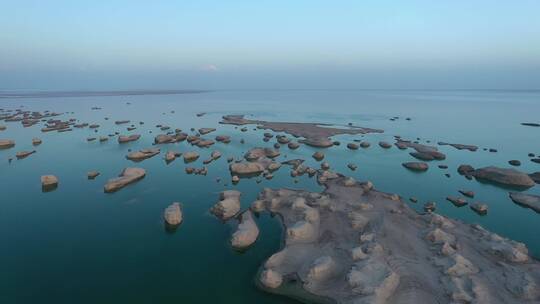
x=79 y=245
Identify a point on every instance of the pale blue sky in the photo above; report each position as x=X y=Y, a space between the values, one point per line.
x=269 y=44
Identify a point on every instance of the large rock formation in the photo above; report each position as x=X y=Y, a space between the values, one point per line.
x=126 y=177
x=503 y=176
x=351 y=244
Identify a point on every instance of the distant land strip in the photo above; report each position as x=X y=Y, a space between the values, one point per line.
x=47 y=94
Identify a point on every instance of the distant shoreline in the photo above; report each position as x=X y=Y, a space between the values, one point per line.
x=48 y=94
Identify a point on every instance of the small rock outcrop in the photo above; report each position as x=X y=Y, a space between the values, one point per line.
x=142 y=154
x=416 y=166
x=126 y=177
x=125 y=139
x=228 y=206
x=173 y=214
x=247 y=232
x=48 y=183
x=6 y=143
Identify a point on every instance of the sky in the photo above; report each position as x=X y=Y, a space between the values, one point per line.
x=362 y=44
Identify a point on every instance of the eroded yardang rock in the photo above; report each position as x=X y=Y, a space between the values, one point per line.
x=228 y=206
x=6 y=143
x=247 y=232
x=48 y=183
x=126 y=177
x=526 y=200
x=350 y=244
x=173 y=214
x=503 y=176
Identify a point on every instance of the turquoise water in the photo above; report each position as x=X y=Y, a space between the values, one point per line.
x=80 y=245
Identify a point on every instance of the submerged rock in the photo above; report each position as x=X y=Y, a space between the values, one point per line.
x=526 y=200
x=246 y=233
x=173 y=214
x=514 y=162
x=503 y=176
x=126 y=177
x=228 y=206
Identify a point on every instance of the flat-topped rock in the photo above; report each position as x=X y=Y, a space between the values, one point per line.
x=48 y=183
x=416 y=166
x=471 y=148
x=124 y=139
x=204 y=131
x=246 y=168
x=352 y=146
x=190 y=156
x=223 y=138
x=228 y=206
x=247 y=232
x=465 y=169
x=457 y=201
x=173 y=214
x=479 y=208
x=92 y=174
x=36 y=141
x=126 y=177
x=503 y=176
x=142 y=154
x=314 y=133
x=6 y=143
x=526 y=200
x=24 y=154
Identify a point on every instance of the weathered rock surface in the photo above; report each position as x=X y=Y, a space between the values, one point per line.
x=173 y=214
x=6 y=143
x=126 y=177
x=124 y=139
x=92 y=174
x=318 y=156
x=247 y=232
x=142 y=154
x=48 y=183
x=503 y=176
x=190 y=156
x=350 y=244
x=204 y=131
x=36 y=141
x=228 y=206
x=416 y=166
x=24 y=154
x=526 y=200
